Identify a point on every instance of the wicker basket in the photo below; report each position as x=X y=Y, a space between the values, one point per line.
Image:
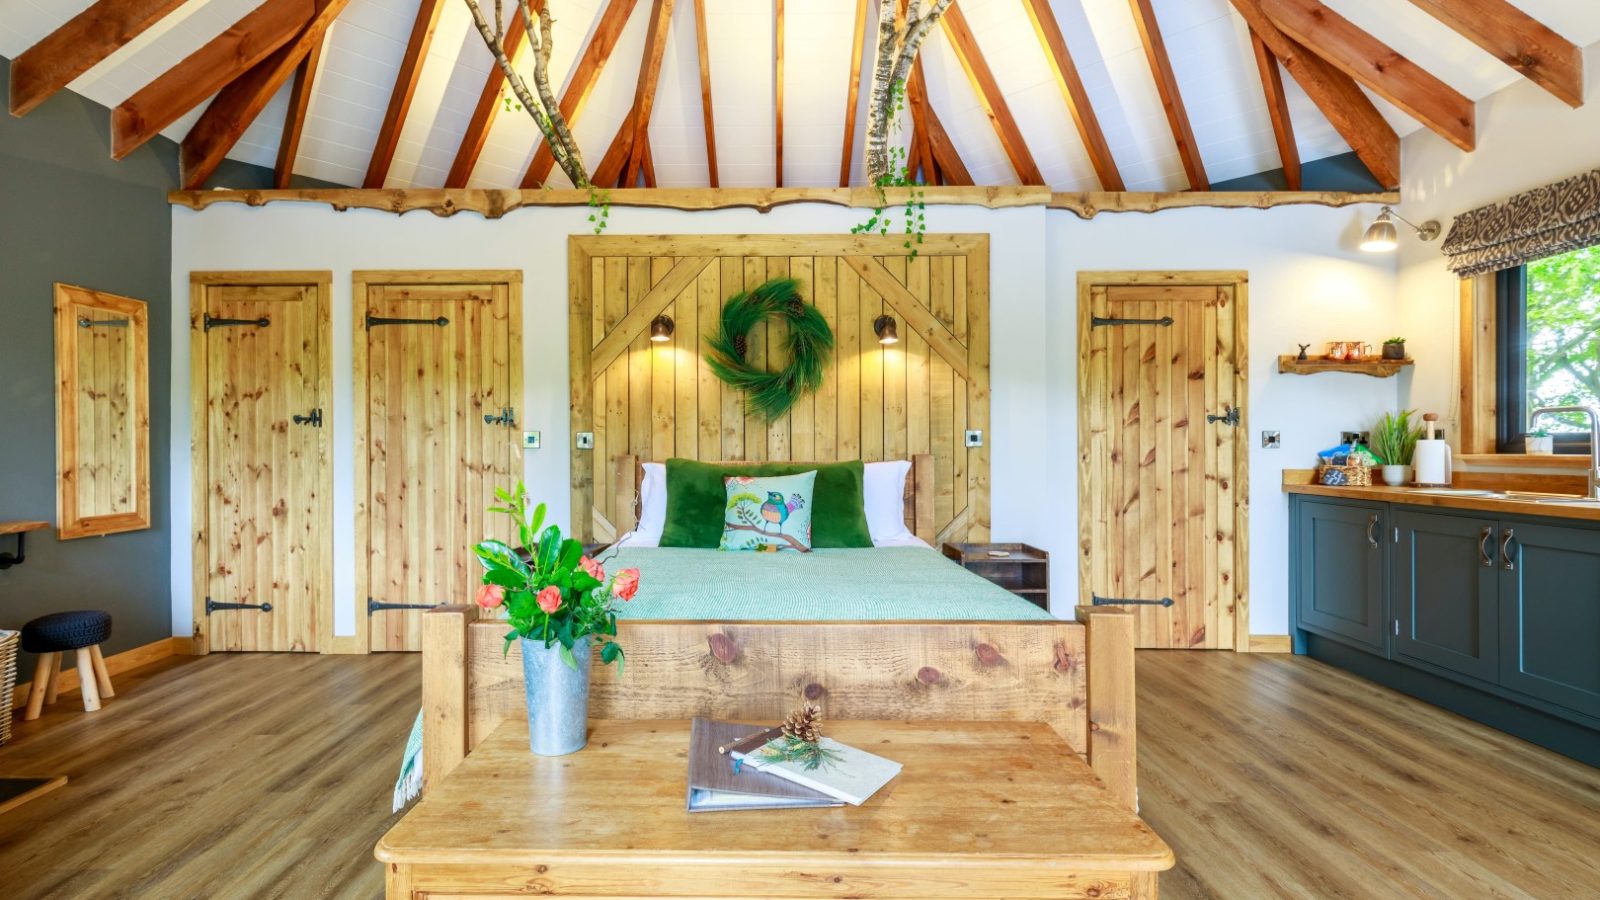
x=1345 y=476
x=8 y=680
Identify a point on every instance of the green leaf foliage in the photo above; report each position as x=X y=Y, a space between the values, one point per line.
x=1563 y=351
x=810 y=345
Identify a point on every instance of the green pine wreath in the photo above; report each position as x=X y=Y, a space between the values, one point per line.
x=770 y=394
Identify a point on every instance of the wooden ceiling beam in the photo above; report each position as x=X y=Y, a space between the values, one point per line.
x=78 y=46
x=294 y=119
x=610 y=171
x=581 y=84
x=1375 y=64
x=1072 y=90
x=405 y=88
x=644 y=94
x=484 y=113
x=853 y=92
x=1336 y=94
x=1155 y=50
x=777 y=89
x=936 y=151
x=1518 y=40
x=205 y=71
x=238 y=104
x=988 y=90
x=952 y=171
x=703 y=48
x=1278 y=108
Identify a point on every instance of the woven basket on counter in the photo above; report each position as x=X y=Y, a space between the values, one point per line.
x=1345 y=476
x=8 y=679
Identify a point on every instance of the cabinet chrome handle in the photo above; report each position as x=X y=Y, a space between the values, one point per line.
x=1483 y=547
x=1372 y=528
x=1508 y=562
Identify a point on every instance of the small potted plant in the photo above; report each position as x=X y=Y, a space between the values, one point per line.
x=559 y=603
x=1539 y=442
x=1394 y=348
x=1394 y=439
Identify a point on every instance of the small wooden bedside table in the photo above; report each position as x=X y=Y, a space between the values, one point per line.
x=1025 y=571
x=981 y=809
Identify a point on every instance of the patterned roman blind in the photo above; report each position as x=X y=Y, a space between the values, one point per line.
x=1545 y=221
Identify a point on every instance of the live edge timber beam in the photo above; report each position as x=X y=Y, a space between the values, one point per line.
x=493 y=204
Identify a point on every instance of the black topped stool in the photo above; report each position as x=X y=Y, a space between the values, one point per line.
x=49 y=637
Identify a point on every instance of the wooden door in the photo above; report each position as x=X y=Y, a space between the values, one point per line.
x=263 y=483
x=656 y=400
x=438 y=372
x=1161 y=380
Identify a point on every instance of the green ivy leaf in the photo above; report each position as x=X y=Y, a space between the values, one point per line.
x=499 y=555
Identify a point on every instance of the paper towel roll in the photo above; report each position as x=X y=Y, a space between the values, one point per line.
x=1432 y=462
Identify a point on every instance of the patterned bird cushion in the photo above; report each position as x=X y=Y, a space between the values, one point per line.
x=768 y=512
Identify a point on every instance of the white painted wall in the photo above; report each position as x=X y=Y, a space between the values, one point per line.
x=1308 y=283
x=1526 y=138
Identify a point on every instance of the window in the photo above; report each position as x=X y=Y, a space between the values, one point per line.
x=1548 y=347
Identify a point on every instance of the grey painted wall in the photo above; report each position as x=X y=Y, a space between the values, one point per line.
x=69 y=213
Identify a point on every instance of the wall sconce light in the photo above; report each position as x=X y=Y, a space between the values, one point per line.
x=884 y=327
x=661 y=328
x=1382 y=237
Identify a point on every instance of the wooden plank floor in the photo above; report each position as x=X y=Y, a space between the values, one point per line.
x=1271 y=776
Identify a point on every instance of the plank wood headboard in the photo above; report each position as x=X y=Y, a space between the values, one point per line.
x=924 y=395
x=628 y=475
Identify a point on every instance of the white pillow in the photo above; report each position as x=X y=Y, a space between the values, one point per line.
x=652 y=501
x=884 y=493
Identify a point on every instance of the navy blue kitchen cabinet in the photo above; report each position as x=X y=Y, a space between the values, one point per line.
x=1446 y=593
x=1550 y=614
x=1340 y=574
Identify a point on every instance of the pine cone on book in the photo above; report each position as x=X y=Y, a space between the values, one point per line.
x=804 y=724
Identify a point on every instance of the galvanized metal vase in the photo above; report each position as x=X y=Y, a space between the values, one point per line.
x=558 y=697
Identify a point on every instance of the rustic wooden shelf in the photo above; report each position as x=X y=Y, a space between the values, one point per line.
x=20 y=527
x=1377 y=368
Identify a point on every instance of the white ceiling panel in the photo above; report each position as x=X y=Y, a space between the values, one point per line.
x=1207 y=42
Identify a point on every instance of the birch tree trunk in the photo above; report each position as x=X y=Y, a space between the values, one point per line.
x=897 y=50
x=545 y=110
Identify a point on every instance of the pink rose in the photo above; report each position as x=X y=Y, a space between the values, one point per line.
x=627 y=584
x=549 y=599
x=593 y=567
x=490 y=596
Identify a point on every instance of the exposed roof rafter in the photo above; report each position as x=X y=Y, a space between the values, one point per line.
x=78 y=46
x=1518 y=40
x=487 y=108
x=707 y=114
x=205 y=71
x=1278 y=109
x=1336 y=94
x=1072 y=90
x=853 y=91
x=777 y=89
x=1378 y=66
x=1155 y=50
x=294 y=119
x=644 y=95
x=988 y=90
x=405 y=87
x=238 y=104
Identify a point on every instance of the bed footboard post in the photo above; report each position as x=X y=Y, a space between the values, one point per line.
x=1108 y=643
x=444 y=689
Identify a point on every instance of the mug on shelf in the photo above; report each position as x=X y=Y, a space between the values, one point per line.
x=1338 y=350
x=1357 y=350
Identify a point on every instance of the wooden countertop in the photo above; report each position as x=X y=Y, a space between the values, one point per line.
x=1298 y=481
x=973 y=797
x=22 y=527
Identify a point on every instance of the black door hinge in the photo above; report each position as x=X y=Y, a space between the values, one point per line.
x=374 y=321
x=1097 y=321
x=376 y=606
x=209 y=322
x=1097 y=600
x=213 y=606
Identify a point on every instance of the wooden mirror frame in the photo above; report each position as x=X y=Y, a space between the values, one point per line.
x=71 y=520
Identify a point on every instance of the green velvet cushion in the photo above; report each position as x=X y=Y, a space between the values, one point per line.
x=696 y=502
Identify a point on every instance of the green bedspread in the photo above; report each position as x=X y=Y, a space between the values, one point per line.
x=871 y=584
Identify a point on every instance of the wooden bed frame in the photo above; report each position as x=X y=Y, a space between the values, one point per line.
x=919 y=493
x=1075 y=676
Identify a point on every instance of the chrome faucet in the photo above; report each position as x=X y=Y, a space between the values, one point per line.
x=1594 y=439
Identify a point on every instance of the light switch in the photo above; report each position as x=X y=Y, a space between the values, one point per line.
x=1271 y=440
x=585 y=440
x=974 y=438
x=530 y=440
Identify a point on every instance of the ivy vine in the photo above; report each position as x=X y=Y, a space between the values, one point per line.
x=914 y=215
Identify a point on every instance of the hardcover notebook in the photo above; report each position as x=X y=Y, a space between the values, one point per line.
x=713 y=785
x=847 y=773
